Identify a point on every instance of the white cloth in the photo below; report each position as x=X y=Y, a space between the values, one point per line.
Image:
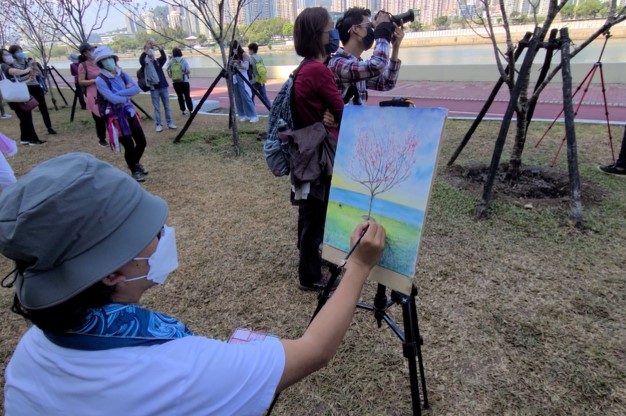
x=7 y=177
x=188 y=376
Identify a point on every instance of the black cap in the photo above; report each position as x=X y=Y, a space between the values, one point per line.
x=84 y=47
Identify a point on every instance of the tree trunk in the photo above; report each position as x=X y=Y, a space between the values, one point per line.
x=570 y=131
x=369 y=208
x=483 y=204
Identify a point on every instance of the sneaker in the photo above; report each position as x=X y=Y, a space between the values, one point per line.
x=242 y=119
x=613 y=170
x=139 y=177
x=51 y=130
x=254 y=120
x=159 y=128
x=319 y=285
x=25 y=142
x=36 y=142
x=5 y=115
x=141 y=169
x=103 y=143
x=171 y=126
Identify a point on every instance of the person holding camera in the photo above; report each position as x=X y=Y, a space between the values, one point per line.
x=155 y=78
x=353 y=75
x=33 y=80
x=243 y=96
x=92 y=348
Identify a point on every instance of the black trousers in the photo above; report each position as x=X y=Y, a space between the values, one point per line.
x=81 y=97
x=101 y=126
x=311 y=220
x=27 y=129
x=37 y=92
x=621 y=159
x=134 y=145
x=182 y=92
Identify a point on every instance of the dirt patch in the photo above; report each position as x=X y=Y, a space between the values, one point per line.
x=536 y=186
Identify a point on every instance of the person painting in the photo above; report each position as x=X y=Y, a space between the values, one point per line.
x=93 y=348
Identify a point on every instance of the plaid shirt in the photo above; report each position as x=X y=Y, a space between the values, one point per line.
x=377 y=73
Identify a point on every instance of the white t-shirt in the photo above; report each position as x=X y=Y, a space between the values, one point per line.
x=189 y=376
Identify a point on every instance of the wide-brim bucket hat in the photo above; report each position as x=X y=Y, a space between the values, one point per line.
x=72 y=221
x=102 y=52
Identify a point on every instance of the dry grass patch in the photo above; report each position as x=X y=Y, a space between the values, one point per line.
x=521 y=314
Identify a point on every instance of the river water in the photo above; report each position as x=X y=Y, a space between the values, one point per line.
x=615 y=51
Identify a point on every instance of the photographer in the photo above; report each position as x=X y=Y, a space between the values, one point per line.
x=240 y=62
x=155 y=78
x=354 y=75
x=93 y=350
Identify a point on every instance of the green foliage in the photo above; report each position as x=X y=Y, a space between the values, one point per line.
x=568 y=11
x=442 y=22
x=589 y=9
x=288 y=29
x=416 y=26
x=263 y=30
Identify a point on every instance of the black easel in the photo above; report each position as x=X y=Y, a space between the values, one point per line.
x=586 y=82
x=208 y=92
x=410 y=337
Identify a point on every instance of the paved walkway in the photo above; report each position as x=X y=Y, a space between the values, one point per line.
x=465 y=100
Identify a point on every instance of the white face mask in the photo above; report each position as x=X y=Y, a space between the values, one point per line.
x=150 y=52
x=164 y=260
x=8 y=59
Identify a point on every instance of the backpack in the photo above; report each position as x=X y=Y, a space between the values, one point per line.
x=275 y=151
x=176 y=71
x=260 y=71
x=141 y=80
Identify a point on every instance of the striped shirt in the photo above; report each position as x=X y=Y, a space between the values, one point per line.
x=378 y=73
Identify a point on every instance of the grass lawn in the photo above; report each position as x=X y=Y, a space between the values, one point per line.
x=521 y=313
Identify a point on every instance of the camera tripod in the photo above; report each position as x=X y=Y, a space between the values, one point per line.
x=223 y=74
x=76 y=92
x=586 y=83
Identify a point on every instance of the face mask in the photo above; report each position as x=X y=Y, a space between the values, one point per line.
x=20 y=55
x=109 y=64
x=333 y=41
x=150 y=52
x=8 y=59
x=368 y=40
x=163 y=261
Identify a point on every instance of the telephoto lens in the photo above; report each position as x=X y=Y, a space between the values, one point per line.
x=405 y=17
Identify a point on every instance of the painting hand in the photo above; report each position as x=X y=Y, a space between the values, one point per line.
x=368 y=242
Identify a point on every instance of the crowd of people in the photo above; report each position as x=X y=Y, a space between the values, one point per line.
x=91 y=342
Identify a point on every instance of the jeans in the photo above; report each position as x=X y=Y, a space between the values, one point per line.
x=182 y=92
x=164 y=96
x=262 y=93
x=243 y=101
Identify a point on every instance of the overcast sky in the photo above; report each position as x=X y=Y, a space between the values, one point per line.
x=115 y=20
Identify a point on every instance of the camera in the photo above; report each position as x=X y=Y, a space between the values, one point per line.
x=401 y=18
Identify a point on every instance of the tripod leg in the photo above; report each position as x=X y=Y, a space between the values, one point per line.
x=74 y=106
x=413 y=348
x=57 y=85
x=208 y=92
x=141 y=109
x=606 y=113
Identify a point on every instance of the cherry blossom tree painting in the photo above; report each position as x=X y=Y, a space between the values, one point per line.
x=384 y=168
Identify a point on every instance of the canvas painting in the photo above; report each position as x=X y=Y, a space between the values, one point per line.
x=384 y=168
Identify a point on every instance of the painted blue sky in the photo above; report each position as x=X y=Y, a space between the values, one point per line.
x=393 y=123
